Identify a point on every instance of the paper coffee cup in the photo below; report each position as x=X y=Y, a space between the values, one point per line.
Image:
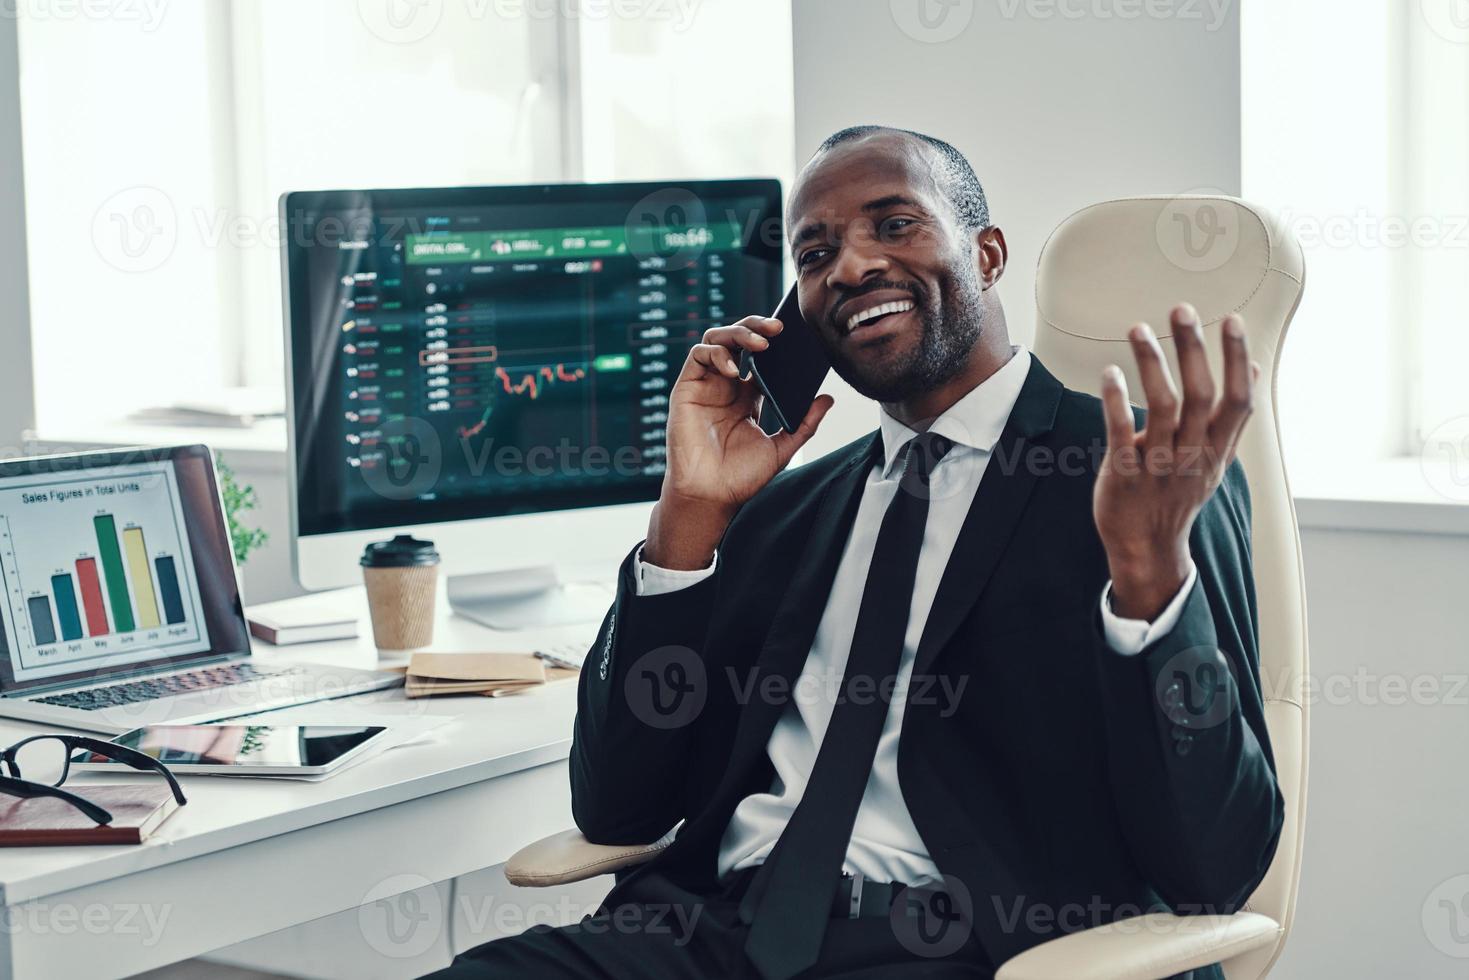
x=402 y=578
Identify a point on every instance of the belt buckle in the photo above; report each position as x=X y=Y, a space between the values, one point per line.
x=854 y=903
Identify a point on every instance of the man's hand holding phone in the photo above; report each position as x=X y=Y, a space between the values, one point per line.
x=718 y=456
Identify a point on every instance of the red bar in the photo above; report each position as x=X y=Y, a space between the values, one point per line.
x=92 y=597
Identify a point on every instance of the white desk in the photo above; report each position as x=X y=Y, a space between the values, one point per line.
x=360 y=869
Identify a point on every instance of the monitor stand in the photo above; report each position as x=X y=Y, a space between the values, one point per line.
x=527 y=598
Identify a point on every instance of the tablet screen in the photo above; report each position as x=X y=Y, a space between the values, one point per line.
x=244 y=746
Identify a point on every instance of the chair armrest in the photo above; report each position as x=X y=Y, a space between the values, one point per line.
x=568 y=856
x=1147 y=947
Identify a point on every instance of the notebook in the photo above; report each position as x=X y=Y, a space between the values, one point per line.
x=137 y=809
x=302 y=620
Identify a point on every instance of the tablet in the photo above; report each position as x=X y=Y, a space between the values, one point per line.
x=236 y=749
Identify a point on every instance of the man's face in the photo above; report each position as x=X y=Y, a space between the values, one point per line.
x=886 y=275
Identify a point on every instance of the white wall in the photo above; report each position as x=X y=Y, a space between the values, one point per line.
x=1385 y=828
x=1055 y=111
x=16 y=405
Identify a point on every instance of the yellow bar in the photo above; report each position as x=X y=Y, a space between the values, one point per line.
x=142 y=576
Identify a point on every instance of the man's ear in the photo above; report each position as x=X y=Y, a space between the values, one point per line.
x=991 y=254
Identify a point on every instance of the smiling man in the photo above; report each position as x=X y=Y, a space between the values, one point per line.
x=933 y=698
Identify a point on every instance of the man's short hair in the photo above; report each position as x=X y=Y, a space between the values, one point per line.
x=960 y=184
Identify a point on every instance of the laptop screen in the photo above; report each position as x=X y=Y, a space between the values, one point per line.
x=113 y=563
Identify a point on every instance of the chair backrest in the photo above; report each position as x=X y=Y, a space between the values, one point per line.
x=1112 y=264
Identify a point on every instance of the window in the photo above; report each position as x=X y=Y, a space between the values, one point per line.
x=125 y=141
x=663 y=98
x=1435 y=53
x=327 y=99
x=158 y=139
x=1356 y=130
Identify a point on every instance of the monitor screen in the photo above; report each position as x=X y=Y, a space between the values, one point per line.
x=113 y=562
x=478 y=352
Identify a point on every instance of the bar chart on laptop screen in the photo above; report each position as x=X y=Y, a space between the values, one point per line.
x=96 y=568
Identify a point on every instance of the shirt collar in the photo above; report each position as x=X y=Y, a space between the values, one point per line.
x=974 y=421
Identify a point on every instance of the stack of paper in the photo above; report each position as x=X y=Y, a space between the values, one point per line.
x=233 y=407
x=493 y=674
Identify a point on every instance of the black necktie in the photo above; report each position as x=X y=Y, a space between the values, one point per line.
x=789 y=901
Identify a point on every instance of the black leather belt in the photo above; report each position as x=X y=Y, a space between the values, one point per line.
x=859 y=898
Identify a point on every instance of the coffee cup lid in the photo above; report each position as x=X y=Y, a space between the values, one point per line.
x=404 y=551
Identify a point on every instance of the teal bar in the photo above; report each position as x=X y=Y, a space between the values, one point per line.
x=66 y=607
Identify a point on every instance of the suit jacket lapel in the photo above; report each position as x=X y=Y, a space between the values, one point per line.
x=996 y=510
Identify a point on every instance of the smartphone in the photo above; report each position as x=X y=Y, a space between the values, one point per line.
x=790 y=371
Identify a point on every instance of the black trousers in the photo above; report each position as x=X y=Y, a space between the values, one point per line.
x=663 y=930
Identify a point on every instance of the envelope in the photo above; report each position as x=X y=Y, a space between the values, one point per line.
x=472 y=673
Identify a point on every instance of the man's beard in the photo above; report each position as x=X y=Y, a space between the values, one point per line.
x=949 y=330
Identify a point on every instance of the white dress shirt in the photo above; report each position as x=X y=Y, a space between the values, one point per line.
x=885 y=845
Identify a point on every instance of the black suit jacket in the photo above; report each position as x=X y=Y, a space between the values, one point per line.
x=1064 y=786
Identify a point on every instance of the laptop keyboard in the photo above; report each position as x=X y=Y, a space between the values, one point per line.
x=171 y=685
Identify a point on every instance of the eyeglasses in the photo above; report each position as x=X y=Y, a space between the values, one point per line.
x=45 y=753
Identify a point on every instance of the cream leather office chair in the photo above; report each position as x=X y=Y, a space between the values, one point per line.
x=1103 y=269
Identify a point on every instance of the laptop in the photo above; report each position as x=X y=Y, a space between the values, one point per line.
x=120 y=603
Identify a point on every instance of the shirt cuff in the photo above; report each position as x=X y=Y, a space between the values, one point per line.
x=652 y=580
x=1132 y=636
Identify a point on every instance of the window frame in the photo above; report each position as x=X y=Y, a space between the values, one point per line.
x=17 y=371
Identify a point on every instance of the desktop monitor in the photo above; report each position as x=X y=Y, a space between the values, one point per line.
x=489 y=367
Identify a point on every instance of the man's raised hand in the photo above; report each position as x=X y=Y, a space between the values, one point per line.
x=1153 y=483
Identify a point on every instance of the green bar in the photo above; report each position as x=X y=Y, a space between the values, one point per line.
x=613 y=362
x=447 y=247
x=117 y=583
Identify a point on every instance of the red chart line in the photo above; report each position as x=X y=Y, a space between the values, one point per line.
x=529 y=384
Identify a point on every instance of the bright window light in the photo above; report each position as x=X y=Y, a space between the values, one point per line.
x=156 y=149
x=1356 y=130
